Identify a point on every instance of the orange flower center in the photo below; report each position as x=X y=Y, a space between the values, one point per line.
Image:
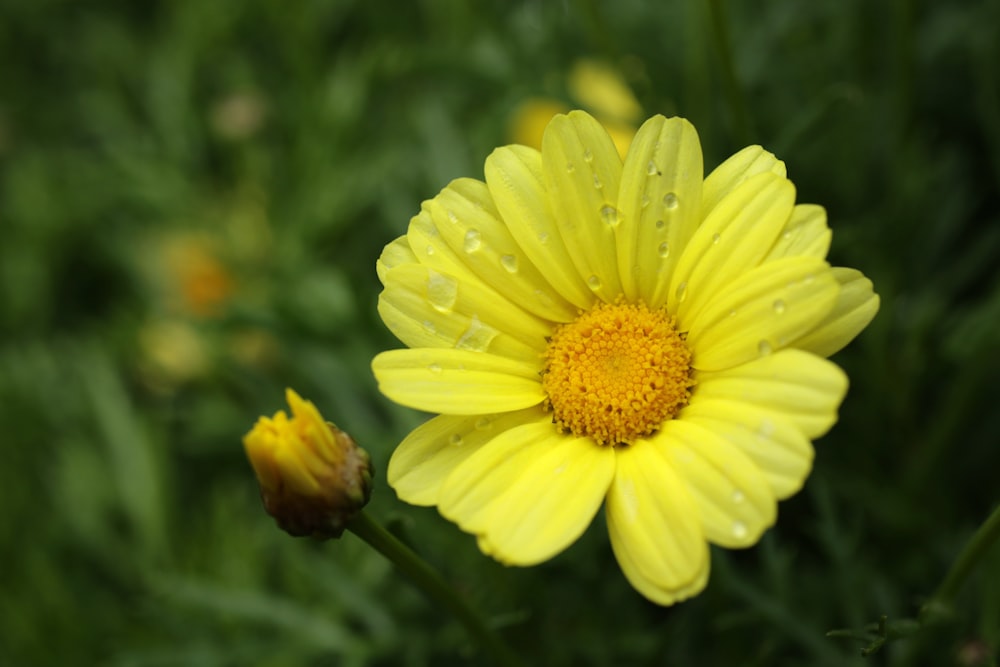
x=616 y=373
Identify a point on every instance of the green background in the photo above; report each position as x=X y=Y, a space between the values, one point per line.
x=293 y=140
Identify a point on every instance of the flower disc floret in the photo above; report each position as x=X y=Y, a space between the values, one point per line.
x=616 y=373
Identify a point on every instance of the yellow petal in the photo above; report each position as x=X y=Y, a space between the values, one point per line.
x=803 y=388
x=660 y=204
x=514 y=177
x=424 y=308
x=468 y=222
x=394 y=254
x=806 y=234
x=531 y=491
x=654 y=526
x=856 y=306
x=725 y=178
x=773 y=442
x=733 y=239
x=734 y=501
x=770 y=307
x=581 y=171
x=425 y=458
x=457 y=382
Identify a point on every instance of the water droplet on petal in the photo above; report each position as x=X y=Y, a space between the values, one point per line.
x=452 y=217
x=644 y=202
x=716 y=238
x=732 y=312
x=543 y=238
x=429 y=250
x=660 y=224
x=455 y=440
x=779 y=307
x=764 y=348
x=597 y=182
x=473 y=240
x=434 y=368
x=682 y=292
x=429 y=327
x=477 y=337
x=651 y=168
x=587 y=155
x=594 y=283
x=570 y=168
x=509 y=262
x=442 y=291
x=484 y=423
x=609 y=214
x=738 y=496
x=670 y=200
x=739 y=530
x=664 y=250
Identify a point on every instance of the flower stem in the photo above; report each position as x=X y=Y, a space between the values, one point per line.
x=730 y=82
x=433 y=584
x=974 y=551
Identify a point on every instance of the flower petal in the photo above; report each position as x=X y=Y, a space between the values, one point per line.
x=729 y=175
x=654 y=527
x=581 y=171
x=425 y=458
x=424 y=308
x=733 y=499
x=803 y=388
x=733 y=239
x=771 y=306
x=772 y=441
x=469 y=223
x=457 y=382
x=660 y=202
x=806 y=234
x=394 y=254
x=856 y=306
x=514 y=177
x=531 y=491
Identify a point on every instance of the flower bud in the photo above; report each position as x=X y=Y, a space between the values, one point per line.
x=313 y=477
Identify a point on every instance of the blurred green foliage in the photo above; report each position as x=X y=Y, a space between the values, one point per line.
x=192 y=198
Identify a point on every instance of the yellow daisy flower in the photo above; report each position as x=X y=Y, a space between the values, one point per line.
x=628 y=334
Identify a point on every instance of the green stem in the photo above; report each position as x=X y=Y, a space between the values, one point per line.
x=433 y=584
x=974 y=551
x=720 y=32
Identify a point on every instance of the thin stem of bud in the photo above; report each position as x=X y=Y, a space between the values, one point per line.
x=433 y=584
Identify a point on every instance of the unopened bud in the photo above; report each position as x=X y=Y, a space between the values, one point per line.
x=313 y=477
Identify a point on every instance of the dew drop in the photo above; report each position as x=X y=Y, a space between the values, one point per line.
x=484 y=423
x=477 y=337
x=543 y=238
x=682 y=292
x=594 y=283
x=716 y=238
x=473 y=240
x=609 y=214
x=429 y=327
x=442 y=292
x=597 y=182
x=651 y=168
x=544 y=298
x=779 y=307
x=509 y=262
x=670 y=200
x=452 y=218
x=644 y=202
x=660 y=224
x=434 y=368
x=455 y=440
x=664 y=250
x=764 y=348
x=587 y=155
x=570 y=168
x=739 y=530
x=738 y=497
x=429 y=250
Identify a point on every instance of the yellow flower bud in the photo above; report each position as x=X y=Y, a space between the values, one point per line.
x=313 y=477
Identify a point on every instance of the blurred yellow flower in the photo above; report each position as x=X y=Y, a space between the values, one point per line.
x=313 y=477
x=597 y=87
x=634 y=335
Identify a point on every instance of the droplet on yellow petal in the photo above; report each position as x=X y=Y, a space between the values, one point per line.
x=616 y=373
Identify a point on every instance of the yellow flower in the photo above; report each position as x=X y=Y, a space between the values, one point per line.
x=630 y=334
x=313 y=477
